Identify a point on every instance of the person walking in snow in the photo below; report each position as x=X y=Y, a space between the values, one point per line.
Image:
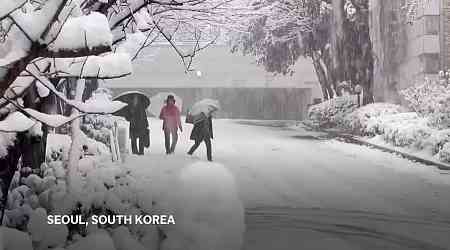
x=170 y=114
x=138 y=127
x=202 y=132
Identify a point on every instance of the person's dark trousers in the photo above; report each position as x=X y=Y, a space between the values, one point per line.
x=134 y=148
x=141 y=145
x=208 y=148
x=134 y=145
x=170 y=148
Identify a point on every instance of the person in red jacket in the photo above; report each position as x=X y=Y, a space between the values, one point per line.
x=170 y=114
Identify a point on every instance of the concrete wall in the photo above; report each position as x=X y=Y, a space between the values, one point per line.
x=161 y=67
x=244 y=103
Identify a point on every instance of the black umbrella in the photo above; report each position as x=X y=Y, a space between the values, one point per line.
x=127 y=97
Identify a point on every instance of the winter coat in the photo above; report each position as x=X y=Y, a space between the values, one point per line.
x=170 y=114
x=202 y=130
x=138 y=121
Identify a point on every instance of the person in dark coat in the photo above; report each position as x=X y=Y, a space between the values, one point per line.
x=138 y=126
x=202 y=131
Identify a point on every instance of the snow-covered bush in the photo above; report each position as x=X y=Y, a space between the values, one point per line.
x=12 y=239
x=358 y=120
x=444 y=153
x=331 y=113
x=437 y=140
x=208 y=211
x=403 y=129
x=98 y=127
x=102 y=188
x=430 y=99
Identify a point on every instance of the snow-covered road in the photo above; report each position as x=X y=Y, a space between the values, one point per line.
x=304 y=193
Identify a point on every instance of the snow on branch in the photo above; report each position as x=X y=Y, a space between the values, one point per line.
x=54 y=121
x=113 y=65
x=54 y=28
x=88 y=107
x=9 y=6
x=84 y=32
x=16 y=122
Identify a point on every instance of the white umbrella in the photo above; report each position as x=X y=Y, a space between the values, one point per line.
x=206 y=106
x=159 y=100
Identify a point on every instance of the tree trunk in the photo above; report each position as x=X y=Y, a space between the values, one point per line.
x=321 y=75
x=76 y=136
x=351 y=48
x=8 y=166
x=337 y=42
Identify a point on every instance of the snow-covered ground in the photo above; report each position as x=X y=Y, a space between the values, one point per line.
x=304 y=193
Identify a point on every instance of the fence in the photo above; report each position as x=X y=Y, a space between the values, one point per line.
x=244 y=103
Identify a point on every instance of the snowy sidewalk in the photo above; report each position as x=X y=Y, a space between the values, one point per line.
x=413 y=155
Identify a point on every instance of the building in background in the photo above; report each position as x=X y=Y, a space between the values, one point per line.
x=406 y=53
x=244 y=89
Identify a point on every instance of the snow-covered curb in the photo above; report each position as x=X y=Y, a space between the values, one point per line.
x=421 y=155
x=415 y=155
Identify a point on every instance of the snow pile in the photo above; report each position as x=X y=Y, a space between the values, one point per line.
x=208 y=211
x=331 y=113
x=98 y=240
x=358 y=120
x=12 y=239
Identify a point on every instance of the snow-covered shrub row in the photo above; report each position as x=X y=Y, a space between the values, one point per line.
x=430 y=99
x=358 y=120
x=396 y=126
x=411 y=130
x=331 y=113
x=402 y=129
x=102 y=188
x=58 y=146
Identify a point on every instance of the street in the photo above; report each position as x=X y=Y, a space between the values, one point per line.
x=304 y=192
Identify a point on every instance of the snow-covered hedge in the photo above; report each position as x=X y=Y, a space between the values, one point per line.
x=402 y=129
x=390 y=122
x=331 y=113
x=102 y=188
x=430 y=99
x=361 y=120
